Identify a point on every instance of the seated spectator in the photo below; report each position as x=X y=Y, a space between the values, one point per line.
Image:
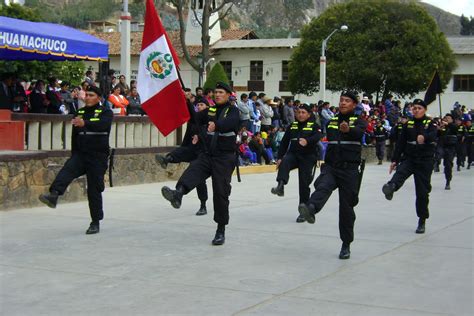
x=81 y=96
x=247 y=155
x=6 y=98
x=20 y=101
x=38 y=101
x=124 y=88
x=256 y=145
x=66 y=97
x=135 y=105
x=118 y=101
x=53 y=96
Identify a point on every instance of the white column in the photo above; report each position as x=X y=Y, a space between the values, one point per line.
x=125 y=20
x=146 y=132
x=68 y=134
x=45 y=143
x=129 y=133
x=120 y=135
x=56 y=135
x=138 y=135
x=33 y=135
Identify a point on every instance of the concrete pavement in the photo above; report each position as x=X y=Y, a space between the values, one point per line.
x=151 y=259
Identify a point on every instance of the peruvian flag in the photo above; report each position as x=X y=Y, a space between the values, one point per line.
x=158 y=82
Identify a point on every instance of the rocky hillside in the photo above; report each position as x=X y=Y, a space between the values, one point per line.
x=269 y=18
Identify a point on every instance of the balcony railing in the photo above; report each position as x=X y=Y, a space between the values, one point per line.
x=53 y=132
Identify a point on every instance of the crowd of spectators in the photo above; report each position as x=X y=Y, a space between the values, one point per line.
x=54 y=96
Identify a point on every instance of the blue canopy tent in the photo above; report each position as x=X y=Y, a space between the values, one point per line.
x=25 y=40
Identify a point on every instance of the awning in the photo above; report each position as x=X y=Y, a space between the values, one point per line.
x=25 y=40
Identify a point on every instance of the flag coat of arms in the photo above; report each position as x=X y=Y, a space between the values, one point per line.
x=158 y=81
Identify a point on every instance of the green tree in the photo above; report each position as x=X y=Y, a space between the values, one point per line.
x=72 y=71
x=390 y=47
x=467 y=25
x=217 y=74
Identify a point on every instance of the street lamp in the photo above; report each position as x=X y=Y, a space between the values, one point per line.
x=322 y=63
x=204 y=72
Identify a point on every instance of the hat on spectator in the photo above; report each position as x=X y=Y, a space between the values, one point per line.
x=365 y=98
x=96 y=90
x=350 y=94
x=268 y=100
x=419 y=102
x=223 y=86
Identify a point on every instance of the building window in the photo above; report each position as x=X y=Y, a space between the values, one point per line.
x=227 y=68
x=256 y=70
x=463 y=83
x=284 y=70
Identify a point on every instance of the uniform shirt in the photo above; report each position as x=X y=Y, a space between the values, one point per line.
x=461 y=132
x=94 y=135
x=395 y=132
x=226 y=118
x=447 y=135
x=470 y=132
x=344 y=147
x=407 y=143
x=380 y=133
x=307 y=130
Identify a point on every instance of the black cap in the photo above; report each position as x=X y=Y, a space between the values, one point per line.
x=419 y=102
x=450 y=115
x=306 y=107
x=202 y=100
x=95 y=90
x=350 y=94
x=224 y=86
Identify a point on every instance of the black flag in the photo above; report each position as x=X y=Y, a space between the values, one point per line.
x=433 y=89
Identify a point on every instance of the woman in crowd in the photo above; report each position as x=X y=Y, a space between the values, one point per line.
x=118 y=101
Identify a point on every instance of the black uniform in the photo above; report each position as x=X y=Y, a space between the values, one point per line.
x=460 y=147
x=394 y=136
x=340 y=171
x=469 y=145
x=188 y=152
x=417 y=160
x=90 y=150
x=294 y=155
x=448 y=141
x=380 y=134
x=217 y=161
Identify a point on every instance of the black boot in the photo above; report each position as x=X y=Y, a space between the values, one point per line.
x=202 y=210
x=300 y=219
x=469 y=166
x=50 y=199
x=447 y=187
x=163 y=160
x=421 y=226
x=388 y=189
x=380 y=162
x=459 y=168
x=436 y=168
x=174 y=196
x=307 y=212
x=345 y=251
x=94 y=228
x=279 y=189
x=219 y=238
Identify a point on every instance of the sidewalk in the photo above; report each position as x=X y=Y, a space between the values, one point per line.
x=151 y=259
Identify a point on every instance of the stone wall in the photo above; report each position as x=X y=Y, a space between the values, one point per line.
x=24 y=176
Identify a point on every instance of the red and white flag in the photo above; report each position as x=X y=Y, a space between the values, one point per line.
x=158 y=82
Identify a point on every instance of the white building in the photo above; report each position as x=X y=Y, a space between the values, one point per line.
x=261 y=65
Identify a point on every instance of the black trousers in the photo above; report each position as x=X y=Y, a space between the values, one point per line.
x=220 y=169
x=188 y=154
x=347 y=181
x=448 y=157
x=470 y=150
x=460 y=154
x=305 y=164
x=94 y=166
x=439 y=153
x=380 y=149
x=421 y=171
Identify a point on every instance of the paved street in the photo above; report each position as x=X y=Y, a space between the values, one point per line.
x=151 y=259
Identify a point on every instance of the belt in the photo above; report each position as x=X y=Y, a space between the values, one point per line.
x=93 y=133
x=415 y=143
x=222 y=134
x=343 y=142
x=379 y=136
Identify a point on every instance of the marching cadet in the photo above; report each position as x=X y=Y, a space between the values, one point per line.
x=469 y=143
x=189 y=149
x=448 y=140
x=380 y=134
x=90 y=150
x=298 y=149
x=460 y=150
x=417 y=146
x=217 y=161
x=395 y=134
x=340 y=170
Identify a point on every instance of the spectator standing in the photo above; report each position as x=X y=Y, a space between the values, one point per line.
x=122 y=84
x=90 y=78
x=6 y=98
x=81 y=96
x=288 y=113
x=267 y=113
x=134 y=103
x=38 y=100
x=244 y=110
x=53 y=96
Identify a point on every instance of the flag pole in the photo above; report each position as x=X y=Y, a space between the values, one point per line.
x=439 y=100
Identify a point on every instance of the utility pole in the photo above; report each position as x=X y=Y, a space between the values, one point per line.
x=125 y=20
